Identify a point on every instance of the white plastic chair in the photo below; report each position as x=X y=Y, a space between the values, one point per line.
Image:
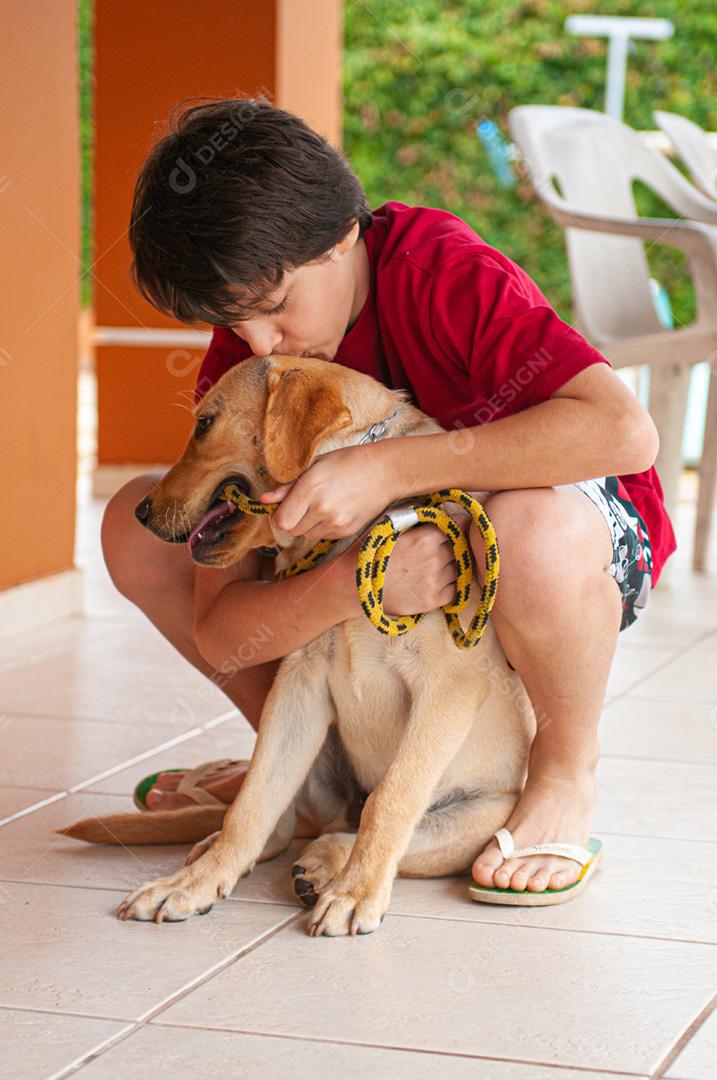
x=582 y=165
x=693 y=146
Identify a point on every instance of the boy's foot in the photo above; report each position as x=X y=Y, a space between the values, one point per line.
x=554 y=809
x=224 y=784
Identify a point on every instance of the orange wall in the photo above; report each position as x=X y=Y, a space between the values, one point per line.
x=149 y=56
x=40 y=230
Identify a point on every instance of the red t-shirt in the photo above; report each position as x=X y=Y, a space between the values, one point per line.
x=466 y=331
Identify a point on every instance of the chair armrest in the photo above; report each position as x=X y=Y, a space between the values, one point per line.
x=697 y=240
x=683 y=233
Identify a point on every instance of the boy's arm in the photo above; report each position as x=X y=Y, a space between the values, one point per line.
x=593 y=426
x=242 y=620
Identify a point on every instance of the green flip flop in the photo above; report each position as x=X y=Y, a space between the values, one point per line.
x=188 y=785
x=589 y=858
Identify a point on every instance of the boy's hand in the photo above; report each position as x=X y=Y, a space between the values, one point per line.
x=335 y=497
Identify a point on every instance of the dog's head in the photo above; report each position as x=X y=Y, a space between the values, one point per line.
x=261 y=425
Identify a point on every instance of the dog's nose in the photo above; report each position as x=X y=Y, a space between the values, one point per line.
x=142 y=511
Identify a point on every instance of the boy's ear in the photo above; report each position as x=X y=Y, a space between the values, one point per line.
x=302 y=409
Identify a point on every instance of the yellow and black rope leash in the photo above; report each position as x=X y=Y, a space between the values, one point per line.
x=378 y=545
x=376 y=550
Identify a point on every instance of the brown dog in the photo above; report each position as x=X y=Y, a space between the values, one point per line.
x=432 y=740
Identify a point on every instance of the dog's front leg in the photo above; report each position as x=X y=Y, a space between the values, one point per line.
x=296 y=717
x=356 y=900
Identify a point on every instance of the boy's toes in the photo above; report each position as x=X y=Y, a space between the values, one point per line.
x=504 y=874
x=486 y=864
x=563 y=878
x=161 y=796
x=519 y=879
x=153 y=798
x=538 y=882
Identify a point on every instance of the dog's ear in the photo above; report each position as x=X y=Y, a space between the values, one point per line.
x=302 y=409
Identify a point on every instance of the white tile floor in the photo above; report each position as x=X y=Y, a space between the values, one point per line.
x=618 y=982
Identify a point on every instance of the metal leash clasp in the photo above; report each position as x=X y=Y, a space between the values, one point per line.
x=404 y=517
x=376 y=431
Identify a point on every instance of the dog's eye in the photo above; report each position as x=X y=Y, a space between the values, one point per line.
x=203 y=425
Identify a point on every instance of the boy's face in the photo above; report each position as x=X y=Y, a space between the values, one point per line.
x=309 y=313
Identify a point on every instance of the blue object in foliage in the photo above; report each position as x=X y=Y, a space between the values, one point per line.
x=499 y=152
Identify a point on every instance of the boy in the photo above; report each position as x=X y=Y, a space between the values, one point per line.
x=246 y=219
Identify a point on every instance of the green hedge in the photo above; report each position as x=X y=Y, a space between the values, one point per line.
x=419 y=74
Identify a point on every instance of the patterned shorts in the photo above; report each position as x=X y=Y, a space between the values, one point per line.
x=631 y=564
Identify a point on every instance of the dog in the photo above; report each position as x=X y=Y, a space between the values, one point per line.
x=403 y=754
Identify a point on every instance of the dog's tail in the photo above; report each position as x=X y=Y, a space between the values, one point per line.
x=183 y=826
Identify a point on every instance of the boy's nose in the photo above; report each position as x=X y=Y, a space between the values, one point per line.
x=261 y=342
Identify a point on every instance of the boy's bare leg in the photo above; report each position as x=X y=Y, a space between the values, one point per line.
x=557 y=614
x=159 y=578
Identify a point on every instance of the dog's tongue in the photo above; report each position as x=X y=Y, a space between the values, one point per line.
x=221 y=510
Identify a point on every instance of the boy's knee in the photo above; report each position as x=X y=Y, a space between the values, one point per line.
x=545 y=540
x=123 y=538
x=525 y=525
x=531 y=541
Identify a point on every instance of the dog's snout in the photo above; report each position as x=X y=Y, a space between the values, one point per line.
x=142 y=511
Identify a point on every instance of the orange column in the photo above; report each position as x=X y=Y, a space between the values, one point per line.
x=148 y=58
x=39 y=298
x=309 y=44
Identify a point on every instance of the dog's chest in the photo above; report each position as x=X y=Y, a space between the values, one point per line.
x=370 y=682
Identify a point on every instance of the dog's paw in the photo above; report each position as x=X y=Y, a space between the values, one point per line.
x=174 y=898
x=201 y=847
x=338 y=912
x=319 y=863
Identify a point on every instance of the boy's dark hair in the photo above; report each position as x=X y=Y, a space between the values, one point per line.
x=235 y=194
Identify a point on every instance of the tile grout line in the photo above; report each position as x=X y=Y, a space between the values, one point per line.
x=48 y=654
x=685 y=1038
x=38 y=1009
x=652 y=836
x=678 y=654
x=203 y=728
x=129 y=762
x=122 y=889
x=134 y=1026
x=553 y=929
x=394 y=914
x=49 y=625
x=428 y=1051
x=172 y=999
x=102 y=626
x=35 y=806
x=115 y=769
x=22 y=714
x=690 y=701
x=96 y=1050
x=658 y=760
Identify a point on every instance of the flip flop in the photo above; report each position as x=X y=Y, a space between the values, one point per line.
x=187 y=785
x=589 y=858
